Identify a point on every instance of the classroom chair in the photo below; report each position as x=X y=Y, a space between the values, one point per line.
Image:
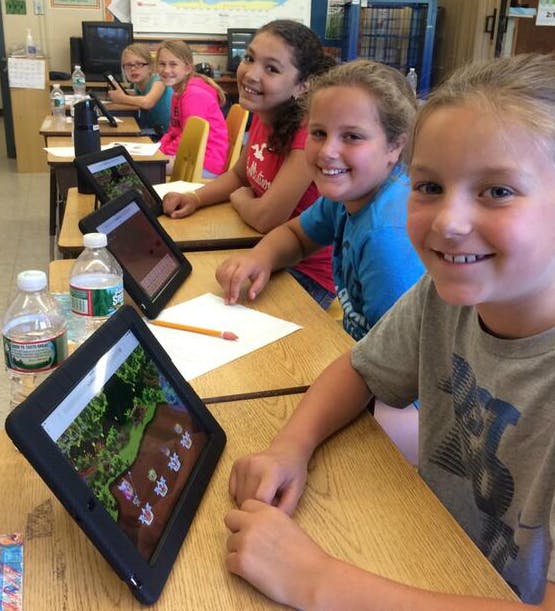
x=236 y=121
x=189 y=159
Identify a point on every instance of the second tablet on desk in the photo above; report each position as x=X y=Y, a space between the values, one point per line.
x=153 y=266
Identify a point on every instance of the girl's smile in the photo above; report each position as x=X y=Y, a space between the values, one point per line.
x=481 y=215
x=347 y=148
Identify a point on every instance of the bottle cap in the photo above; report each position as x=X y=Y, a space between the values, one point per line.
x=95 y=240
x=31 y=280
x=55 y=85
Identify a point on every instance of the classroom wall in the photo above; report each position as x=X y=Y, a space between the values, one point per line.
x=53 y=30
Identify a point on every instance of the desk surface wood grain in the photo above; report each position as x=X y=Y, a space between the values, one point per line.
x=292 y=362
x=126 y=127
x=363 y=503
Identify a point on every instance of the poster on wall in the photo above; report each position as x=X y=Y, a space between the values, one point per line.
x=212 y=16
x=546 y=13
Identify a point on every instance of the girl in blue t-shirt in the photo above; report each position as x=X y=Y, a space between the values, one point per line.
x=359 y=118
x=147 y=93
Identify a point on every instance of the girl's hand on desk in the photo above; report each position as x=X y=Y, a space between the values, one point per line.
x=233 y=273
x=179 y=205
x=275 y=477
x=268 y=549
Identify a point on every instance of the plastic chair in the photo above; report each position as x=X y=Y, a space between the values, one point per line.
x=236 y=121
x=189 y=159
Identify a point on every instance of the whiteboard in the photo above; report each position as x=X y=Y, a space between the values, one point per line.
x=212 y=16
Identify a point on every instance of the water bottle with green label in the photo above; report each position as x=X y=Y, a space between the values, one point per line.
x=34 y=335
x=95 y=286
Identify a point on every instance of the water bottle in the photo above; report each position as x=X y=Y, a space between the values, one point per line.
x=30 y=46
x=95 y=286
x=412 y=79
x=79 y=84
x=57 y=102
x=34 y=333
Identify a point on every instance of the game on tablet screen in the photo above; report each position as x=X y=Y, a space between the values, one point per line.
x=131 y=439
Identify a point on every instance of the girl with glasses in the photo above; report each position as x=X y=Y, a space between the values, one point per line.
x=147 y=93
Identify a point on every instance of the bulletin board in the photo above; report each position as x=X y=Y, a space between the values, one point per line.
x=166 y=17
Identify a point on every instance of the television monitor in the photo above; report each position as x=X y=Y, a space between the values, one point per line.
x=237 y=44
x=102 y=45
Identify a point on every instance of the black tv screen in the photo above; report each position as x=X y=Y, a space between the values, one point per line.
x=237 y=43
x=103 y=43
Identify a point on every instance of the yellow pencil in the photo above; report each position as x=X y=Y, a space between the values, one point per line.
x=215 y=333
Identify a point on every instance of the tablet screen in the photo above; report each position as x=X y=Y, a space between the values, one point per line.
x=139 y=248
x=115 y=176
x=131 y=438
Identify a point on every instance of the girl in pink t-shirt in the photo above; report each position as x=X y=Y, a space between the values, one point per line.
x=271 y=181
x=193 y=95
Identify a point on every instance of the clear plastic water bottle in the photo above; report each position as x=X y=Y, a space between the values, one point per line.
x=95 y=286
x=412 y=79
x=34 y=333
x=79 y=84
x=57 y=102
x=30 y=46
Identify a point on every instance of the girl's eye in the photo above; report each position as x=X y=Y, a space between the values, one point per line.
x=316 y=134
x=247 y=58
x=498 y=192
x=272 y=69
x=352 y=137
x=428 y=188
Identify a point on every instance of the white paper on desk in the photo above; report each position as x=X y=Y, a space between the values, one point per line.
x=60 y=151
x=146 y=149
x=194 y=354
x=136 y=149
x=105 y=120
x=179 y=186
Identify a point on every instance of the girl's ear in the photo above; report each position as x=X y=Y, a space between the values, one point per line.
x=299 y=89
x=399 y=144
x=395 y=149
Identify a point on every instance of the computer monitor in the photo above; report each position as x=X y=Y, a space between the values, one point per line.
x=102 y=45
x=237 y=43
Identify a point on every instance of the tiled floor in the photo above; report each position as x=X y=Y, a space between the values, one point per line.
x=24 y=240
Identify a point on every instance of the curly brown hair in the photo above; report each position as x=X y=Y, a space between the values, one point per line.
x=310 y=59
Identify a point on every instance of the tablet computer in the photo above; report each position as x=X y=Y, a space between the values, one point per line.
x=103 y=110
x=126 y=445
x=113 y=82
x=153 y=266
x=111 y=172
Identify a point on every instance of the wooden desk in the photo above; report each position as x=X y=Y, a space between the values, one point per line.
x=63 y=174
x=210 y=228
x=127 y=127
x=289 y=364
x=365 y=505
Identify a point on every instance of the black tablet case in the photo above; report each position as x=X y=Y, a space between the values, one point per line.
x=112 y=172
x=146 y=393
x=142 y=248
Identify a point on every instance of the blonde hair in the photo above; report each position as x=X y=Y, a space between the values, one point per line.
x=521 y=88
x=141 y=51
x=395 y=100
x=183 y=51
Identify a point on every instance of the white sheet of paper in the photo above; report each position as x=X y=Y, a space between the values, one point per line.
x=194 y=354
x=179 y=186
x=105 y=120
x=26 y=73
x=60 y=151
x=139 y=149
x=136 y=148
